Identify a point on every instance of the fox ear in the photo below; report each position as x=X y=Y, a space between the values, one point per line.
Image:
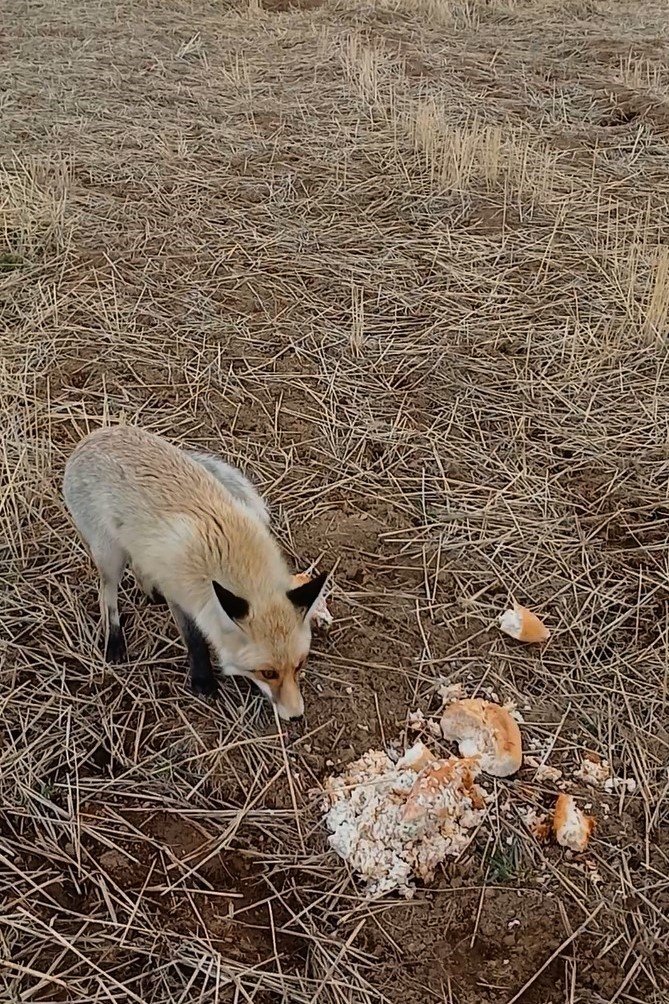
x=305 y=596
x=235 y=607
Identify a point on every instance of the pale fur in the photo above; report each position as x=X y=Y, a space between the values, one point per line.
x=235 y=482
x=183 y=520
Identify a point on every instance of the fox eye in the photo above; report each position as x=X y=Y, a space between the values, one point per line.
x=269 y=674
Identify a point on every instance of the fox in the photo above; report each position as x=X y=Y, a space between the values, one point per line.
x=196 y=534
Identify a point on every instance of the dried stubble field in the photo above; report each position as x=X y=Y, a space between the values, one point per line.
x=406 y=261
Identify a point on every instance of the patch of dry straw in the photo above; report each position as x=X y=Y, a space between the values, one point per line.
x=415 y=280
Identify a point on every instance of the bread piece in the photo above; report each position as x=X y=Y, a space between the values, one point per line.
x=521 y=624
x=571 y=826
x=487 y=731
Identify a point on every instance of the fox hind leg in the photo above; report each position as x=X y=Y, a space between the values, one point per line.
x=111 y=560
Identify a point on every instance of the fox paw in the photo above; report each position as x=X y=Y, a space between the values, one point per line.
x=115 y=651
x=204 y=686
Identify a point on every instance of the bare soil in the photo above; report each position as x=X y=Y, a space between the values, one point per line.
x=406 y=263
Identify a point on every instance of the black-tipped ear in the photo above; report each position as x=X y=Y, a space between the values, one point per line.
x=235 y=606
x=304 y=597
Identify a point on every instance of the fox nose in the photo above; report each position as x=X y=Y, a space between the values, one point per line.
x=293 y=714
x=290 y=703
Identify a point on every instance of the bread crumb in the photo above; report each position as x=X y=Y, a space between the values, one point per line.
x=416 y=757
x=514 y=711
x=616 y=783
x=451 y=692
x=416 y=721
x=593 y=770
x=545 y=772
x=537 y=823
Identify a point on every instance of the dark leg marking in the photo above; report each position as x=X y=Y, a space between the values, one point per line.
x=156 y=597
x=202 y=678
x=115 y=650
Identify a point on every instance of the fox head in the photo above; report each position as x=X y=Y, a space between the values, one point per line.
x=272 y=639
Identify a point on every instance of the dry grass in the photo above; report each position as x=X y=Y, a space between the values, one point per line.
x=406 y=262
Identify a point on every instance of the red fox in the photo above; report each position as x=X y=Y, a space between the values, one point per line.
x=195 y=532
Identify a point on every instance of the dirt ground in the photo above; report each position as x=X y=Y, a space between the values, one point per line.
x=407 y=263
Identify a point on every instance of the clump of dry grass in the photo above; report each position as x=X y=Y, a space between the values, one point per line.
x=413 y=280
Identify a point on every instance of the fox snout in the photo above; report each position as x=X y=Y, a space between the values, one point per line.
x=289 y=701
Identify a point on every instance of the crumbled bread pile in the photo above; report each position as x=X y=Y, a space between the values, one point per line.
x=396 y=821
x=396 y=818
